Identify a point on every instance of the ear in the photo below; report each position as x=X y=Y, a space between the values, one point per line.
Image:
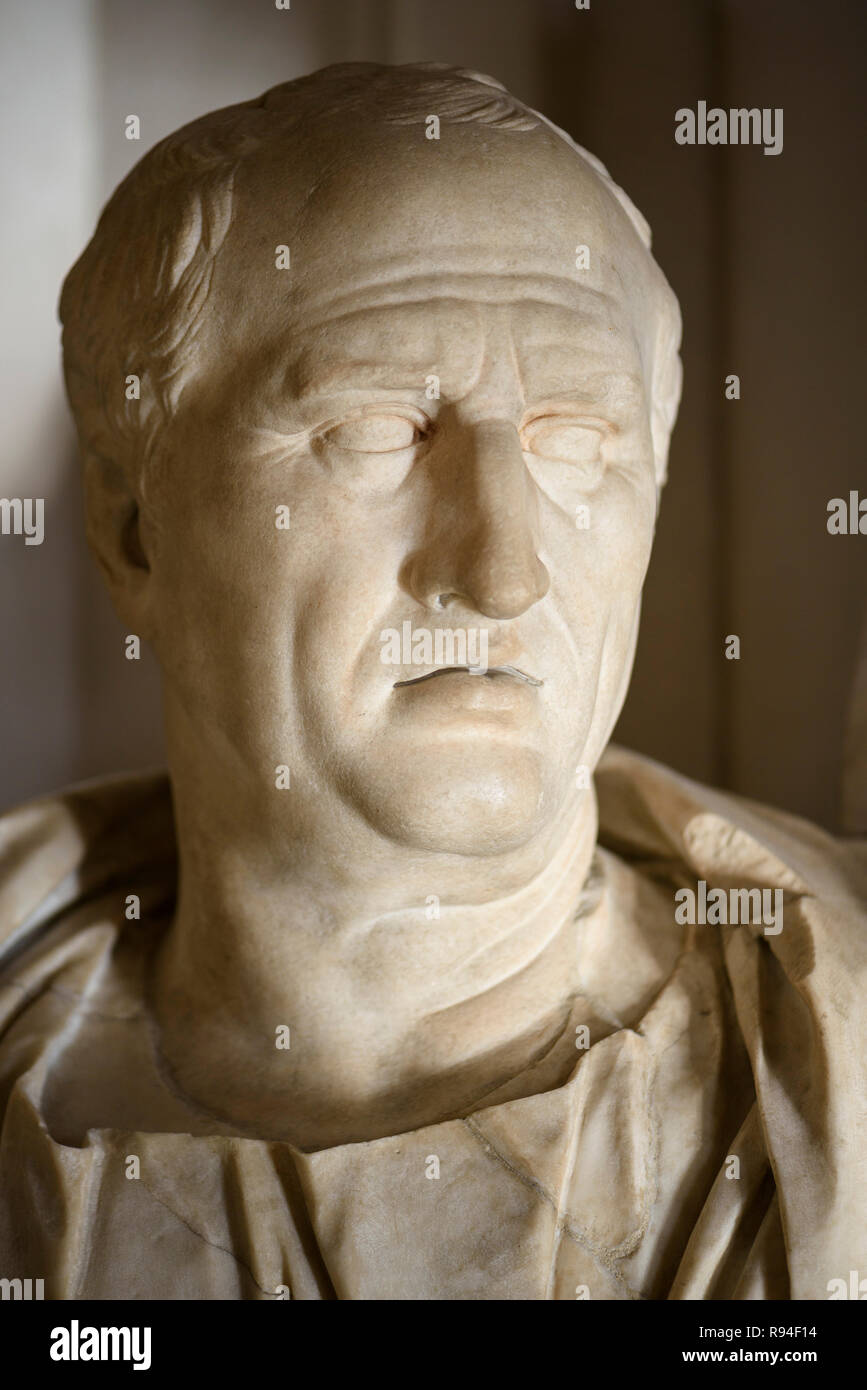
x=114 y=532
x=666 y=385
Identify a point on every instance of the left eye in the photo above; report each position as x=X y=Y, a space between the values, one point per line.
x=563 y=440
x=375 y=434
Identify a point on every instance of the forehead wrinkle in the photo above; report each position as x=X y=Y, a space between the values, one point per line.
x=461 y=287
x=552 y=367
x=316 y=362
x=315 y=366
x=309 y=379
x=368 y=316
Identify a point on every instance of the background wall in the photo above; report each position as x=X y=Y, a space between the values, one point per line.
x=764 y=253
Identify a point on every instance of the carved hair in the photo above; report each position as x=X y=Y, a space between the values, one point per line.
x=147 y=270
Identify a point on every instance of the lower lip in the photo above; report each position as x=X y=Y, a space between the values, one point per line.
x=458 y=690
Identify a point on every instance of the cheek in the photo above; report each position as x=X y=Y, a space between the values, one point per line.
x=599 y=555
x=340 y=578
x=622 y=524
x=221 y=598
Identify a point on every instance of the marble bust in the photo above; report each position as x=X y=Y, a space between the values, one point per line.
x=389 y=989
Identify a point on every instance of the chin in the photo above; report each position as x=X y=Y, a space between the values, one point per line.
x=472 y=802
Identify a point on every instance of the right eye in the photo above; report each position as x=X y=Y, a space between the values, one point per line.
x=567 y=448
x=380 y=433
x=563 y=439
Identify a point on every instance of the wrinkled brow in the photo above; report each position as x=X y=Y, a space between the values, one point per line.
x=397 y=347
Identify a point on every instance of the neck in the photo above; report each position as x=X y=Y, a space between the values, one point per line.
x=403 y=1002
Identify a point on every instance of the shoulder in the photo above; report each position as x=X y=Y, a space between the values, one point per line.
x=60 y=851
x=70 y=867
x=798 y=990
x=650 y=813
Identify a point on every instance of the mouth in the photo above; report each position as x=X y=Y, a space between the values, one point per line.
x=488 y=672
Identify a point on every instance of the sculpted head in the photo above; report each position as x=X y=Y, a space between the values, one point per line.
x=466 y=417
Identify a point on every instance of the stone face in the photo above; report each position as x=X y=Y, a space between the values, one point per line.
x=406 y=989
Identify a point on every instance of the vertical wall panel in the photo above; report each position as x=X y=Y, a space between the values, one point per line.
x=47 y=173
x=797 y=332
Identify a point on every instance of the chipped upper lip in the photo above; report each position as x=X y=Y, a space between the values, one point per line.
x=514 y=672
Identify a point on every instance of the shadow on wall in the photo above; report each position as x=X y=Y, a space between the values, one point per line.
x=71 y=705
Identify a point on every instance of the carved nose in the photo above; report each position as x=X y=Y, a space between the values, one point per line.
x=488 y=560
x=503 y=576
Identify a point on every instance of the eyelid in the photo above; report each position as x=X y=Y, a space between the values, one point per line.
x=399 y=408
x=570 y=415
